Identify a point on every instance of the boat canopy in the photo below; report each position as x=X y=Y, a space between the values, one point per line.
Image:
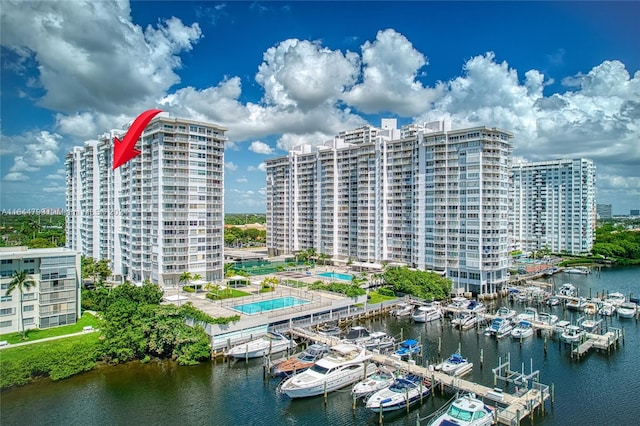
x=409 y=342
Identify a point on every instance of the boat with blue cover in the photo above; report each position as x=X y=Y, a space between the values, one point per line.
x=405 y=391
x=408 y=348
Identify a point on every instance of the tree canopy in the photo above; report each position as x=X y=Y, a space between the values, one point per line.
x=425 y=285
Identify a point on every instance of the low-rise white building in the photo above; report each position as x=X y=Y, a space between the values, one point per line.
x=55 y=298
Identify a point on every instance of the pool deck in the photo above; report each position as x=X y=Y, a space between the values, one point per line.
x=320 y=301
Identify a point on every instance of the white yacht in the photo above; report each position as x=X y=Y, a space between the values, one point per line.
x=572 y=334
x=499 y=328
x=627 y=310
x=404 y=392
x=455 y=365
x=568 y=290
x=464 y=320
x=522 y=330
x=427 y=313
x=607 y=309
x=381 y=341
x=402 y=309
x=576 y=304
x=529 y=314
x=382 y=378
x=466 y=410
x=459 y=303
x=269 y=344
x=616 y=299
x=506 y=313
x=342 y=366
x=357 y=335
x=547 y=318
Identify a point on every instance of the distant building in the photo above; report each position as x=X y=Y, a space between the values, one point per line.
x=159 y=214
x=53 y=301
x=604 y=211
x=553 y=206
x=634 y=212
x=424 y=195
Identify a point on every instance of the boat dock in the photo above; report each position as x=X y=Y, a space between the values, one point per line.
x=598 y=341
x=510 y=408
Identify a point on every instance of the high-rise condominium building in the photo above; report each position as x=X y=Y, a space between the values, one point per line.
x=158 y=215
x=53 y=300
x=424 y=195
x=553 y=205
x=604 y=211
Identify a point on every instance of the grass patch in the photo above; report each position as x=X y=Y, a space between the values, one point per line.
x=56 y=359
x=227 y=294
x=375 y=297
x=36 y=334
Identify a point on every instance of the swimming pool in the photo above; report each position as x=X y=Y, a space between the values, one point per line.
x=269 y=305
x=336 y=275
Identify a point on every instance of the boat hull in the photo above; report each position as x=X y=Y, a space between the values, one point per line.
x=326 y=384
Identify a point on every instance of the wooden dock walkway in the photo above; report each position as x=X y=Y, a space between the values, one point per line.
x=598 y=341
x=515 y=407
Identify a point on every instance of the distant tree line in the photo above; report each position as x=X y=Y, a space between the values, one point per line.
x=33 y=231
x=617 y=243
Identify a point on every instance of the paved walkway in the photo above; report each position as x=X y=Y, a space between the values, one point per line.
x=13 y=345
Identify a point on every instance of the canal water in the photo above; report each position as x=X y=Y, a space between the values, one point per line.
x=598 y=389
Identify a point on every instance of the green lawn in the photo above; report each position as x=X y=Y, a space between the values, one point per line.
x=35 y=334
x=376 y=297
x=227 y=293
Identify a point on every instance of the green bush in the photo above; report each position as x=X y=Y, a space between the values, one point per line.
x=188 y=289
x=386 y=291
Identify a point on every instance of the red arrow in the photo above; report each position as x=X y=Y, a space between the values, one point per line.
x=125 y=150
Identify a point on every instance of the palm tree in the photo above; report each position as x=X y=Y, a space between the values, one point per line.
x=196 y=277
x=185 y=277
x=21 y=281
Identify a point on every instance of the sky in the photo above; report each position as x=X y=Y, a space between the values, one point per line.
x=563 y=77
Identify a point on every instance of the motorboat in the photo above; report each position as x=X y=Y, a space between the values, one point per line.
x=381 y=379
x=408 y=348
x=381 y=341
x=579 y=270
x=615 y=299
x=329 y=329
x=499 y=328
x=572 y=334
x=529 y=314
x=455 y=365
x=344 y=365
x=458 y=303
x=607 y=310
x=547 y=318
x=357 y=335
x=427 y=313
x=627 y=310
x=590 y=325
x=405 y=391
x=402 y=309
x=590 y=308
x=464 y=320
x=576 y=304
x=465 y=410
x=300 y=362
x=560 y=326
x=506 y=313
x=568 y=290
x=475 y=307
x=269 y=344
x=522 y=330
x=553 y=301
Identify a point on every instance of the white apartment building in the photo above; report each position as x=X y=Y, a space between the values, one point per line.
x=158 y=215
x=55 y=298
x=424 y=195
x=553 y=206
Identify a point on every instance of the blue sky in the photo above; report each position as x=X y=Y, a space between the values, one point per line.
x=564 y=77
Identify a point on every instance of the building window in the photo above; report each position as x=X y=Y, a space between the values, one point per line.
x=7 y=311
x=6 y=298
x=28 y=321
x=27 y=308
x=5 y=324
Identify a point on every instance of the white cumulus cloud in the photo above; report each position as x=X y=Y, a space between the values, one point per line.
x=260 y=148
